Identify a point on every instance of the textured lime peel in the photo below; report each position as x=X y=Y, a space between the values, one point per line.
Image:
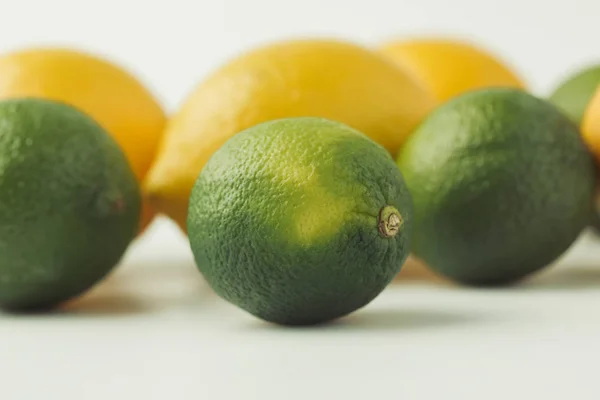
x=389 y=221
x=284 y=220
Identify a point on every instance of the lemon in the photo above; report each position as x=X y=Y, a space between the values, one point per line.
x=590 y=125
x=450 y=67
x=325 y=78
x=98 y=87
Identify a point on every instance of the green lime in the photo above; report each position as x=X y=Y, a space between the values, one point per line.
x=502 y=185
x=300 y=221
x=69 y=203
x=573 y=95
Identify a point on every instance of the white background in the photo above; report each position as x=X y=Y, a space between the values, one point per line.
x=172 y=44
x=153 y=330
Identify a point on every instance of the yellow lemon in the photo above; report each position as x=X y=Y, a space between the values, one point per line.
x=101 y=89
x=450 y=67
x=414 y=269
x=590 y=125
x=324 y=78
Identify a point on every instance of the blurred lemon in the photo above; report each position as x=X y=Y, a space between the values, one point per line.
x=450 y=67
x=590 y=125
x=106 y=92
x=414 y=269
x=314 y=77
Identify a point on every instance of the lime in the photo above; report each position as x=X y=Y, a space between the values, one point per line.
x=300 y=220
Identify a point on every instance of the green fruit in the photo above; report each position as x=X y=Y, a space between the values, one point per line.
x=69 y=204
x=573 y=95
x=502 y=185
x=299 y=221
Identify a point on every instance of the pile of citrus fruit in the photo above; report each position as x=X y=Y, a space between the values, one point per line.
x=305 y=173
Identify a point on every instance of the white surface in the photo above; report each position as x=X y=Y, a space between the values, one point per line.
x=154 y=330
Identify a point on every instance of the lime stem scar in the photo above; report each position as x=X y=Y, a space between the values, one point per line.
x=389 y=222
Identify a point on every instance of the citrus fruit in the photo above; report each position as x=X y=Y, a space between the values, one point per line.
x=101 y=89
x=415 y=270
x=573 y=95
x=450 y=67
x=69 y=203
x=300 y=220
x=590 y=125
x=295 y=78
x=502 y=185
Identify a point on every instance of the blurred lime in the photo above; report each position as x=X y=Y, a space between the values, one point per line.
x=573 y=95
x=502 y=186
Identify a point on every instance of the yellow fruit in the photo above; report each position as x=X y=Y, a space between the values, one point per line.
x=590 y=125
x=449 y=68
x=104 y=91
x=319 y=78
x=415 y=270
